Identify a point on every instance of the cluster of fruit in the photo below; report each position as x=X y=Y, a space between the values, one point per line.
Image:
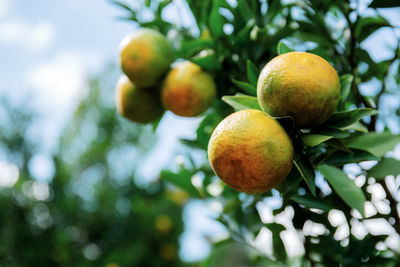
x=249 y=150
x=149 y=85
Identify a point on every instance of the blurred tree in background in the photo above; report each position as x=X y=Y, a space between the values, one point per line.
x=345 y=183
x=92 y=213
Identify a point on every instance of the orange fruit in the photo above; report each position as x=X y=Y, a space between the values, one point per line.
x=145 y=56
x=250 y=151
x=137 y=104
x=188 y=90
x=299 y=84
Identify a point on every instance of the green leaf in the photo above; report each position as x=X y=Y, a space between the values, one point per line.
x=243 y=37
x=336 y=133
x=156 y=123
x=246 y=87
x=207 y=59
x=306 y=170
x=283 y=48
x=181 y=180
x=206 y=127
x=345 y=118
x=279 y=247
x=311 y=202
x=123 y=5
x=252 y=73
x=162 y=5
x=191 y=143
x=339 y=158
x=315 y=37
x=384 y=3
x=191 y=47
x=387 y=166
x=215 y=20
x=351 y=194
x=292 y=181
x=314 y=139
x=376 y=143
x=338 y=144
x=345 y=86
x=357 y=126
x=368 y=25
x=241 y=102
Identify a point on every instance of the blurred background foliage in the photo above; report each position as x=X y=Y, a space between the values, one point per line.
x=92 y=213
x=96 y=211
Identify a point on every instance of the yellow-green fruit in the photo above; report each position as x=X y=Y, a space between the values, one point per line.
x=250 y=151
x=145 y=56
x=137 y=104
x=188 y=90
x=299 y=84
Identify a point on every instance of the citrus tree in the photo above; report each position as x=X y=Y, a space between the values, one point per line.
x=340 y=160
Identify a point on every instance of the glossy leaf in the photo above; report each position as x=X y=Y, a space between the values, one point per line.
x=327 y=131
x=311 y=202
x=338 y=144
x=215 y=20
x=367 y=25
x=357 y=126
x=277 y=243
x=181 y=180
x=339 y=158
x=314 y=139
x=351 y=194
x=195 y=46
x=246 y=87
x=376 y=143
x=241 y=102
x=306 y=170
x=283 y=48
x=252 y=73
x=206 y=128
x=387 y=166
x=346 y=118
x=384 y=3
x=207 y=59
x=345 y=86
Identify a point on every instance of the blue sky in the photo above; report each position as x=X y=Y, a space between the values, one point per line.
x=48 y=48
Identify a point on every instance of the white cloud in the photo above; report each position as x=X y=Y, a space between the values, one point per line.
x=59 y=81
x=56 y=87
x=37 y=36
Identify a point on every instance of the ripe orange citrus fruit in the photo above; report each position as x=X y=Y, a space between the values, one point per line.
x=188 y=90
x=145 y=56
x=137 y=104
x=299 y=84
x=250 y=151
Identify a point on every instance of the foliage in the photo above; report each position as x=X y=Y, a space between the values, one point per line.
x=92 y=212
x=233 y=40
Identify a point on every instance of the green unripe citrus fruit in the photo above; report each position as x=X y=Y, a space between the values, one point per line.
x=135 y=103
x=145 y=56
